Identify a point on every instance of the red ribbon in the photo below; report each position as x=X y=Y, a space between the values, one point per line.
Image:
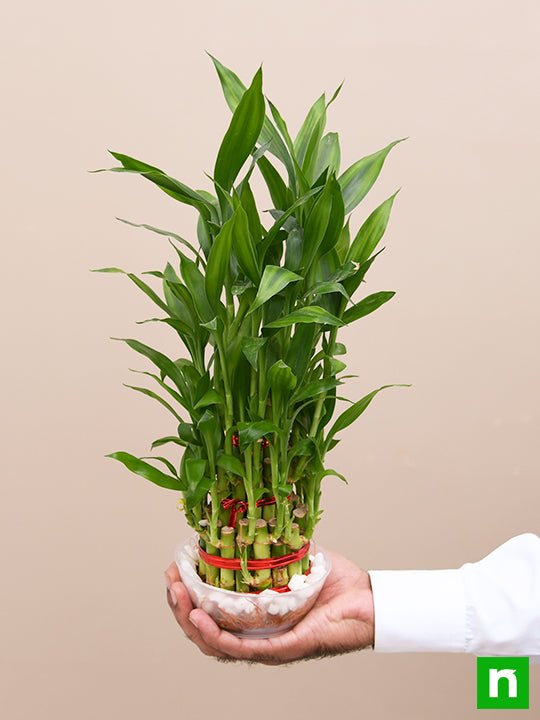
x=238 y=506
x=265 y=564
x=261 y=564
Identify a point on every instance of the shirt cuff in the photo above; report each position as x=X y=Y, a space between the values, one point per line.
x=419 y=610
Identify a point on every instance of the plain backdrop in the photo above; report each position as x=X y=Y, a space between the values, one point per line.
x=439 y=474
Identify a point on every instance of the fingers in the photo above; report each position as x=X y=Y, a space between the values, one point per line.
x=270 y=651
x=172 y=575
x=201 y=629
x=181 y=605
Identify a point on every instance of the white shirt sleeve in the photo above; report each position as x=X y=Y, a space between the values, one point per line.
x=491 y=607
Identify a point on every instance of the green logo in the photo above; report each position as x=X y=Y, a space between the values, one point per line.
x=502 y=682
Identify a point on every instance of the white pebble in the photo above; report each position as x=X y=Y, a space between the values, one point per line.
x=297 y=582
x=318 y=560
x=273 y=608
x=243 y=605
x=292 y=604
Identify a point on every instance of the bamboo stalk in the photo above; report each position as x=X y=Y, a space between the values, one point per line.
x=241 y=585
x=243 y=544
x=212 y=572
x=227 y=577
x=280 y=577
x=261 y=551
x=295 y=543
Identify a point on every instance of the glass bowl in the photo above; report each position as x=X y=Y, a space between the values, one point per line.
x=262 y=615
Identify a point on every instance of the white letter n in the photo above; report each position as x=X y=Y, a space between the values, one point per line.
x=496 y=675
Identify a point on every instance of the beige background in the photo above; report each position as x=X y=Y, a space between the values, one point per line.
x=439 y=473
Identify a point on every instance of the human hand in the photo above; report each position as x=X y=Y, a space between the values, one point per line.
x=341 y=621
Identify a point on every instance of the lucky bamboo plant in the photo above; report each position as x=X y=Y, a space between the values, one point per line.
x=257 y=305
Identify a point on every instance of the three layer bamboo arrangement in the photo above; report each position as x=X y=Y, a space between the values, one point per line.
x=257 y=305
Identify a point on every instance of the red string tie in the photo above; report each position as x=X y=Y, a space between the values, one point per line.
x=237 y=507
x=262 y=564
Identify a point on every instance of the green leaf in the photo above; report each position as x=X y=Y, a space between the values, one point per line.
x=233 y=89
x=309 y=314
x=293 y=249
x=307 y=141
x=218 y=262
x=281 y=378
x=165 y=364
x=210 y=397
x=249 y=206
x=305 y=446
x=174 y=188
x=282 y=127
x=371 y=232
x=334 y=472
x=352 y=283
x=358 y=179
x=336 y=366
x=323 y=288
x=316 y=224
x=186 y=433
x=196 y=284
x=197 y=485
x=251 y=347
x=353 y=412
x=168 y=464
x=274 y=182
x=211 y=324
x=244 y=247
x=342 y=245
x=276 y=227
x=366 y=306
x=242 y=134
x=336 y=219
x=273 y=281
x=231 y=464
x=172 y=392
x=147 y=290
x=329 y=156
x=249 y=432
x=155 y=396
x=314 y=388
x=165 y=440
x=211 y=430
x=147 y=471
x=297 y=358
x=165 y=233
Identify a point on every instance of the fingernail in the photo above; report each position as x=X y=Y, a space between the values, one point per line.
x=172 y=595
x=193 y=620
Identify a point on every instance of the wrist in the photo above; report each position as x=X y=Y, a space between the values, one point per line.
x=370 y=612
x=364 y=611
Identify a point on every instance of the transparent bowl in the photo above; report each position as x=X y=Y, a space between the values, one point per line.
x=265 y=614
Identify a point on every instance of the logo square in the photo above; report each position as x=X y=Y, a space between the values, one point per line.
x=502 y=682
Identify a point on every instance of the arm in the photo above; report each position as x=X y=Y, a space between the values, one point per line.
x=490 y=607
